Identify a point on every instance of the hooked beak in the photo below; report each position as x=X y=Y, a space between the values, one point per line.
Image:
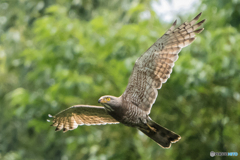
x=100 y=100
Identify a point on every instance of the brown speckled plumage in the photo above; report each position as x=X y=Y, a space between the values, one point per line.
x=133 y=107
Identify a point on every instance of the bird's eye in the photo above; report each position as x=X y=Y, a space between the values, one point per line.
x=108 y=99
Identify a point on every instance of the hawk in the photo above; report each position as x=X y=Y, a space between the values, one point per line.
x=133 y=107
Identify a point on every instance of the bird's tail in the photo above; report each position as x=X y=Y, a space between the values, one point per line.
x=159 y=134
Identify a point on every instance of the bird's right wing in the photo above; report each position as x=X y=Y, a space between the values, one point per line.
x=70 y=118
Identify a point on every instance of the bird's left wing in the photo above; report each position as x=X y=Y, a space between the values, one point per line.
x=70 y=118
x=155 y=66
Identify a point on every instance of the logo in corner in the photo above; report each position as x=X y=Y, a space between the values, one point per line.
x=212 y=153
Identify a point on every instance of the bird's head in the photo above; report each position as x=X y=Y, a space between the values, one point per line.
x=109 y=102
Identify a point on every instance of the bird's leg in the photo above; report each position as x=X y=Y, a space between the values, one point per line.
x=153 y=129
x=145 y=130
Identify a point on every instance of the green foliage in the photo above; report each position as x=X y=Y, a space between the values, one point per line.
x=54 y=55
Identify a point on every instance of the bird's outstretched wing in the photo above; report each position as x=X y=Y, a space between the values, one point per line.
x=155 y=66
x=70 y=118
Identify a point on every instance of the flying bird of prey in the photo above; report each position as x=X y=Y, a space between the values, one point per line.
x=133 y=107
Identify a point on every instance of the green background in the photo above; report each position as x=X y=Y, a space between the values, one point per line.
x=58 y=53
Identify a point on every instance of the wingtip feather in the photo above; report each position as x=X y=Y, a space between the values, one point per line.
x=65 y=130
x=197 y=17
x=199 y=30
x=174 y=23
x=202 y=21
x=192 y=39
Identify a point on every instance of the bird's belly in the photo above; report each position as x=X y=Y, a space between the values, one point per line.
x=134 y=117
